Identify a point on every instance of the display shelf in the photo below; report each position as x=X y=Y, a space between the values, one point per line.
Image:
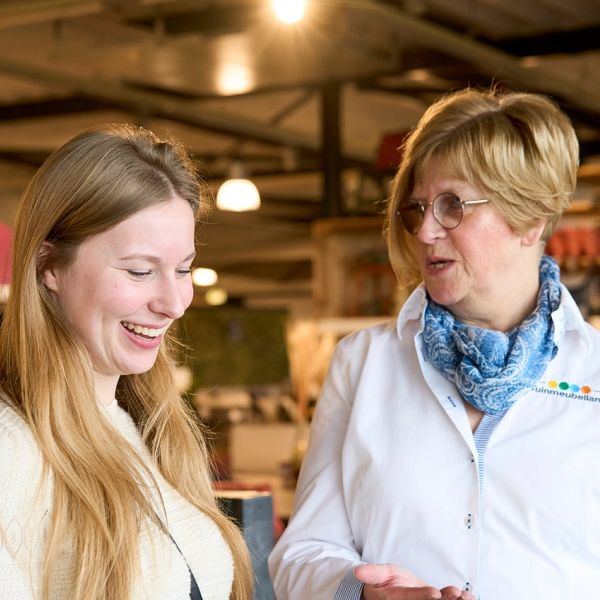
x=589 y=173
x=352 y=273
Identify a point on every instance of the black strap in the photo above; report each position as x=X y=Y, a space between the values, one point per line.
x=194 y=589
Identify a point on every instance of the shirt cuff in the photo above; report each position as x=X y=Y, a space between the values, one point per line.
x=350 y=588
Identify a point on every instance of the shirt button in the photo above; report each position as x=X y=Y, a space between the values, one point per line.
x=466 y=587
x=469 y=519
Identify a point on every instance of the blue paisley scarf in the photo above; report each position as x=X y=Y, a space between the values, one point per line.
x=490 y=367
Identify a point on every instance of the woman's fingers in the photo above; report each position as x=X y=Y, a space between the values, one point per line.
x=379 y=575
x=453 y=593
x=391 y=582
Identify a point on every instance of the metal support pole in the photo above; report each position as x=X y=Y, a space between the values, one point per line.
x=332 y=155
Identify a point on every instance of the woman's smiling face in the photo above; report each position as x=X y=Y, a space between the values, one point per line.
x=127 y=285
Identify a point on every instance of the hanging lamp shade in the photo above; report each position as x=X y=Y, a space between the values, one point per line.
x=204 y=277
x=238 y=193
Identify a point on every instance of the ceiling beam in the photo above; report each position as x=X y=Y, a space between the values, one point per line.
x=31 y=12
x=43 y=11
x=256 y=221
x=51 y=107
x=165 y=106
x=589 y=148
x=205 y=20
x=501 y=65
x=557 y=42
x=288 y=251
x=252 y=287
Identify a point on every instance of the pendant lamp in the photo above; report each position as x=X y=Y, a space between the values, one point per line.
x=238 y=193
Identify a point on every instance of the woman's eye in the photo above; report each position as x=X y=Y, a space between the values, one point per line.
x=139 y=274
x=454 y=202
x=184 y=272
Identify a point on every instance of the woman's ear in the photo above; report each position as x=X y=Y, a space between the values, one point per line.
x=532 y=236
x=49 y=274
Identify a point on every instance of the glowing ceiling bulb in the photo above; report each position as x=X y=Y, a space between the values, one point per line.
x=216 y=296
x=204 y=277
x=234 y=79
x=289 y=11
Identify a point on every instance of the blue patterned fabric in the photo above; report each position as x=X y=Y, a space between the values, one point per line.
x=490 y=367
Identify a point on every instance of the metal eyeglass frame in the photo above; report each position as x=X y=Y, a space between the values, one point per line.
x=423 y=207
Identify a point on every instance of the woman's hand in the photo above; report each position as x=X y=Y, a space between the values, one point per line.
x=390 y=582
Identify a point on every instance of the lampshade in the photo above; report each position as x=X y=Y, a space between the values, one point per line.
x=238 y=193
x=204 y=277
x=216 y=296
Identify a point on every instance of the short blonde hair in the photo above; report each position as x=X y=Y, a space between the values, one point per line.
x=520 y=149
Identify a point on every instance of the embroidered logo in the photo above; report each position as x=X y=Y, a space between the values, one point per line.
x=567 y=390
x=563 y=385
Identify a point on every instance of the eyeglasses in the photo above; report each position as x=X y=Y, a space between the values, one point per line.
x=448 y=210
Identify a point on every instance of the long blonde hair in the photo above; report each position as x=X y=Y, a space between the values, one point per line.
x=520 y=149
x=96 y=180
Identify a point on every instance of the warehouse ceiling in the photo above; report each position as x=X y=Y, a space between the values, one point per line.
x=304 y=106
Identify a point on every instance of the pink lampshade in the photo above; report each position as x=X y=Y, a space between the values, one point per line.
x=5 y=253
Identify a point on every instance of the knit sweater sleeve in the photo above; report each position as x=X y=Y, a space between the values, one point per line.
x=24 y=509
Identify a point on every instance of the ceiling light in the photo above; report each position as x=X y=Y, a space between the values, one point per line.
x=419 y=75
x=234 y=79
x=204 y=277
x=216 y=296
x=289 y=11
x=238 y=193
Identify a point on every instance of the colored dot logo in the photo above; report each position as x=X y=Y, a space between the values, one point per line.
x=563 y=385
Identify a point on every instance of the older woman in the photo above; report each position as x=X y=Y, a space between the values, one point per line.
x=105 y=491
x=454 y=454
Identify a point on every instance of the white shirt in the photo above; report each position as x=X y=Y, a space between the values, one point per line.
x=393 y=474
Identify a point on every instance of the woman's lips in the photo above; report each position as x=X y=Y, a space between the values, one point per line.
x=144 y=340
x=142 y=330
x=436 y=264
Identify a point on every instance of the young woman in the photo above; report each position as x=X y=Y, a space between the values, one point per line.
x=104 y=485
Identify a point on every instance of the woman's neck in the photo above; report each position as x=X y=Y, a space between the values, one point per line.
x=504 y=309
x=503 y=315
x=106 y=388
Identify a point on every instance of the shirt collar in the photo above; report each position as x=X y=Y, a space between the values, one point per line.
x=566 y=317
x=412 y=309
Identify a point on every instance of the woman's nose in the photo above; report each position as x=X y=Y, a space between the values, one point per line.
x=172 y=298
x=430 y=229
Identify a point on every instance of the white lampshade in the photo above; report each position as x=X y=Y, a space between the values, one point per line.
x=238 y=195
x=216 y=296
x=204 y=277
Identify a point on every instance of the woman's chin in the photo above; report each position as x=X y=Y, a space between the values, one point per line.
x=445 y=298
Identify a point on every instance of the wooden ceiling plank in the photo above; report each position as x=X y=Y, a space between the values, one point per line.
x=43 y=11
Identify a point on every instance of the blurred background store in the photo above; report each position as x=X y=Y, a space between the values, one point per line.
x=308 y=101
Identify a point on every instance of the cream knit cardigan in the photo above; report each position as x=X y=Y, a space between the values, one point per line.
x=24 y=525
